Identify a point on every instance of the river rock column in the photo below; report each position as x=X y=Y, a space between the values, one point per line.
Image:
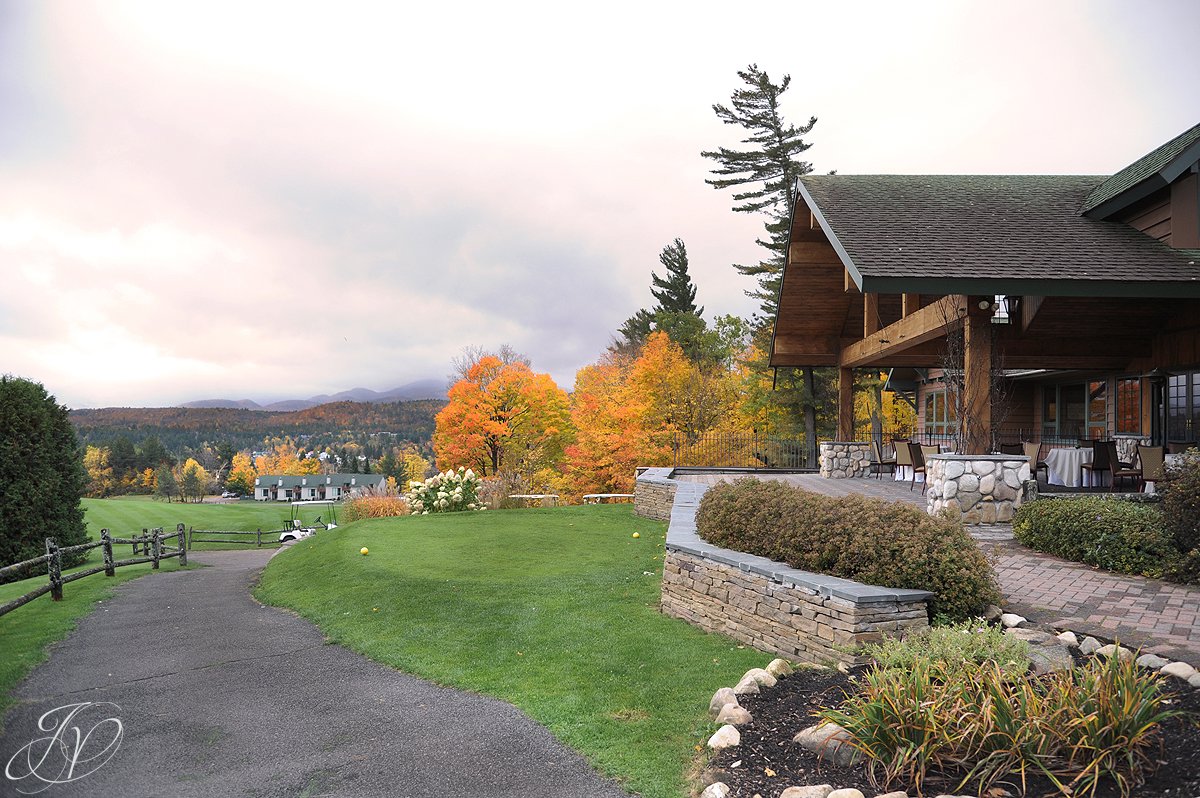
x=980 y=488
x=845 y=459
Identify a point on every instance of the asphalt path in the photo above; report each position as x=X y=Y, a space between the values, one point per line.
x=216 y=695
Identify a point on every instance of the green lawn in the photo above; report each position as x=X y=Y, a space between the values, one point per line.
x=130 y=514
x=554 y=610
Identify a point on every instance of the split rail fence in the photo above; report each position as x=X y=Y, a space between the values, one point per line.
x=151 y=544
x=257 y=535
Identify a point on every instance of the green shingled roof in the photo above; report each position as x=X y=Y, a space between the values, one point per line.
x=1019 y=234
x=1145 y=175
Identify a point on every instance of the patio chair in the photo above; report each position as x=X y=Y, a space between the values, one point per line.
x=1099 y=463
x=918 y=463
x=1118 y=469
x=1153 y=464
x=1034 y=452
x=880 y=463
x=903 y=456
x=1011 y=448
x=927 y=451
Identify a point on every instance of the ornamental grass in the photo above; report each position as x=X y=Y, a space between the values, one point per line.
x=978 y=726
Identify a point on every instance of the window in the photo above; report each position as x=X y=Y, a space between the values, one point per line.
x=1129 y=406
x=1075 y=411
x=1183 y=406
x=940 y=416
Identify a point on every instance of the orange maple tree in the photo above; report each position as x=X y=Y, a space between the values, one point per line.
x=502 y=417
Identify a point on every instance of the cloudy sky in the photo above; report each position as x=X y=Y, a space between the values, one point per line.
x=270 y=200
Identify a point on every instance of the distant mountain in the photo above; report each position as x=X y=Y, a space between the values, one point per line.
x=420 y=389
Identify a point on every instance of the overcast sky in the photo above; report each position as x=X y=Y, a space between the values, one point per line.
x=273 y=200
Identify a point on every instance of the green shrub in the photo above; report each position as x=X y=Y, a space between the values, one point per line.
x=1181 y=503
x=966 y=644
x=1118 y=535
x=868 y=540
x=981 y=726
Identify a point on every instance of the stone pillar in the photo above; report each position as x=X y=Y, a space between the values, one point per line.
x=980 y=488
x=845 y=459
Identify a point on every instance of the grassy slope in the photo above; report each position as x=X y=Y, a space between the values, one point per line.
x=129 y=514
x=553 y=610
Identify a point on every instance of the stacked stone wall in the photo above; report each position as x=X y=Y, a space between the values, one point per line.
x=654 y=494
x=982 y=489
x=790 y=620
x=845 y=459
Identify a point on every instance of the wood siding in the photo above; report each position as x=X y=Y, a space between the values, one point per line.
x=1151 y=216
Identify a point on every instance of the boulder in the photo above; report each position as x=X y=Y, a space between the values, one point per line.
x=830 y=742
x=718 y=789
x=1180 y=670
x=815 y=791
x=779 y=667
x=760 y=675
x=1112 y=650
x=1010 y=620
x=1069 y=638
x=1029 y=635
x=1047 y=659
x=747 y=686
x=1090 y=645
x=725 y=737
x=720 y=699
x=734 y=713
x=1152 y=661
x=992 y=613
x=847 y=792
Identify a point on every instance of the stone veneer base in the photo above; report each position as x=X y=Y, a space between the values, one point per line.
x=803 y=616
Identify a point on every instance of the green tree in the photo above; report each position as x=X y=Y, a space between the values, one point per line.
x=675 y=292
x=765 y=172
x=122 y=456
x=674 y=312
x=152 y=454
x=165 y=486
x=41 y=471
x=763 y=177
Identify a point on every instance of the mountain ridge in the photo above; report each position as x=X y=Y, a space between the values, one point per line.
x=411 y=391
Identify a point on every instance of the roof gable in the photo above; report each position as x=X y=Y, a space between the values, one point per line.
x=1143 y=177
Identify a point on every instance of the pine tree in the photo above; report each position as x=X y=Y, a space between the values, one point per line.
x=675 y=293
x=767 y=169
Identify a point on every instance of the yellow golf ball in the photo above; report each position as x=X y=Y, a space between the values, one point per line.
x=637 y=534
x=363 y=550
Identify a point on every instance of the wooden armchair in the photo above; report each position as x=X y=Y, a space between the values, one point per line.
x=880 y=463
x=1099 y=464
x=1011 y=448
x=1121 y=470
x=918 y=463
x=1153 y=461
x=1034 y=452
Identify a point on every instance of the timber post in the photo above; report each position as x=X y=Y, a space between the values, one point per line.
x=157 y=552
x=181 y=541
x=106 y=540
x=845 y=404
x=54 y=569
x=977 y=378
x=258 y=538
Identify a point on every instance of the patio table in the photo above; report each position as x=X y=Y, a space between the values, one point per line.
x=1065 y=467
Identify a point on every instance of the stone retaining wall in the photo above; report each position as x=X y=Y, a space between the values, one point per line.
x=845 y=459
x=654 y=493
x=983 y=489
x=803 y=616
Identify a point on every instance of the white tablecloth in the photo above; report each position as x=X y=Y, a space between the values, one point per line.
x=1064 y=467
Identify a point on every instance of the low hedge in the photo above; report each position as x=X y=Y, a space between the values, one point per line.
x=1117 y=535
x=868 y=540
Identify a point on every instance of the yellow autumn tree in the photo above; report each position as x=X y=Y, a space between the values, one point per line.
x=100 y=473
x=241 y=475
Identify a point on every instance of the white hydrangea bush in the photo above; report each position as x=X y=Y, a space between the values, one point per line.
x=451 y=492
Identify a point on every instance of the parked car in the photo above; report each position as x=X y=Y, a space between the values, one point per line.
x=230 y=495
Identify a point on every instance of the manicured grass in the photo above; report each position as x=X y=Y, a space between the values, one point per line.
x=554 y=610
x=26 y=632
x=130 y=514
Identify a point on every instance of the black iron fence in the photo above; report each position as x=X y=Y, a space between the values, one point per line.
x=738 y=450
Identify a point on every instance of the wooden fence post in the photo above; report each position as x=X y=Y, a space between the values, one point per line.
x=106 y=539
x=191 y=532
x=182 y=542
x=157 y=548
x=258 y=538
x=54 y=569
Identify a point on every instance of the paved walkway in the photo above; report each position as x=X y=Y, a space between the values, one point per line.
x=1156 y=616
x=220 y=696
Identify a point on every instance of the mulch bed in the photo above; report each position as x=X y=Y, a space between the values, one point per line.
x=783 y=710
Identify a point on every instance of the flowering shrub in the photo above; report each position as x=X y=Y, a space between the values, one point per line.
x=374 y=504
x=449 y=492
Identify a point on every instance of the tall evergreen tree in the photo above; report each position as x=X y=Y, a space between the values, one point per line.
x=675 y=292
x=674 y=312
x=764 y=174
x=42 y=472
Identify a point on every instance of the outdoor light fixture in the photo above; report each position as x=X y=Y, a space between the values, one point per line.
x=984 y=304
x=1006 y=308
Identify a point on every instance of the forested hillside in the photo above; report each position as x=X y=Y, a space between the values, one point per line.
x=188 y=428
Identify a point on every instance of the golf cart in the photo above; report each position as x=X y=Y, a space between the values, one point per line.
x=299 y=528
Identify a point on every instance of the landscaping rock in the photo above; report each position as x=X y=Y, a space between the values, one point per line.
x=1195 y=681
x=725 y=737
x=1069 y=638
x=848 y=792
x=830 y=742
x=1111 y=650
x=1090 y=645
x=761 y=676
x=1180 y=670
x=816 y=791
x=1048 y=659
x=720 y=699
x=1152 y=661
x=717 y=789
x=779 y=667
x=893 y=795
x=1029 y=635
x=734 y=713
x=992 y=613
x=747 y=686
x=1010 y=619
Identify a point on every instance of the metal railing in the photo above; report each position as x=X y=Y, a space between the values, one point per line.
x=738 y=450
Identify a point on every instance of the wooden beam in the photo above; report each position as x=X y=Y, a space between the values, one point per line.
x=909 y=304
x=1030 y=305
x=977 y=382
x=926 y=324
x=813 y=223
x=848 y=284
x=845 y=404
x=870 y=314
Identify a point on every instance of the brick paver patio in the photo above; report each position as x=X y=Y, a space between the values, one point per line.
x=1156 y=616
